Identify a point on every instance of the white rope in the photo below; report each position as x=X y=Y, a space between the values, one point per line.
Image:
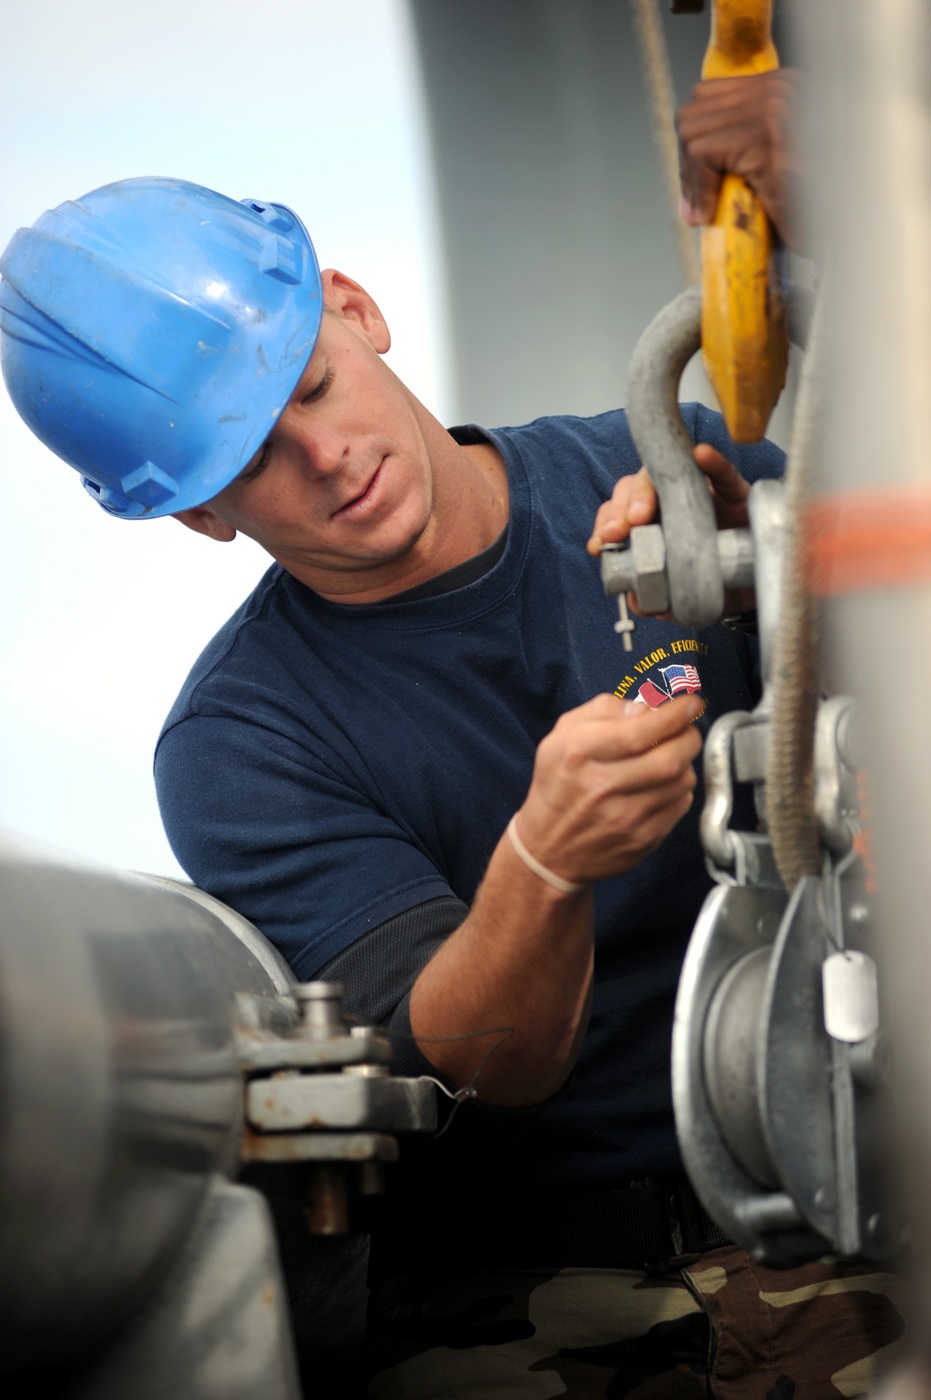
x=658 y=79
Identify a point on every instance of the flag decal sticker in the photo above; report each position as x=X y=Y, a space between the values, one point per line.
x=660 y=676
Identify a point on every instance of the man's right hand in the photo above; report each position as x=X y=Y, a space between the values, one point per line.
x=740 y=126
x=610 y=781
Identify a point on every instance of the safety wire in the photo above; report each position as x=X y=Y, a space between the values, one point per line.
x=468 y=1091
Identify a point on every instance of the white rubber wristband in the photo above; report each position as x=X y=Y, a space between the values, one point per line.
x=551 y=878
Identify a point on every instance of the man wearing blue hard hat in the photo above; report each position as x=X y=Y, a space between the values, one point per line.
x=407 y=759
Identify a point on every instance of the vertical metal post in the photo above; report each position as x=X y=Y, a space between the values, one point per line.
x=868 y=144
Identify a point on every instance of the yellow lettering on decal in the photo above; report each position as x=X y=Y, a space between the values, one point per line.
x=645 y=662
x=623 y=687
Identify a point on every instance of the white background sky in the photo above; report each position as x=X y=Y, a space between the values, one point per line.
x=313 y=103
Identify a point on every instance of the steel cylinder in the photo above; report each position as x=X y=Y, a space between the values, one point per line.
x=120 y=1090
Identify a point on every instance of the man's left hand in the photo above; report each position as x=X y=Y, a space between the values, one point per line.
x=634 y=502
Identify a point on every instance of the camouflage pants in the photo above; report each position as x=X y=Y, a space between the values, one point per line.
x=717 y=1325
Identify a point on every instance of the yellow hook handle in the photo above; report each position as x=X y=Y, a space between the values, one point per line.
x=745 y=341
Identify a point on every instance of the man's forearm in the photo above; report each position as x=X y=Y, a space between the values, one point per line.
x=521 y=963
x=610 y=780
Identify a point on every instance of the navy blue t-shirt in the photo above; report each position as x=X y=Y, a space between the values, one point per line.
x=327 y=767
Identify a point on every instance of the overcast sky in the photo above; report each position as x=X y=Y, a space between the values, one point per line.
x=310 y=103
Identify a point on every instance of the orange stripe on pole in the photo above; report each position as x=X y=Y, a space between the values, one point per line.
x=867 y=539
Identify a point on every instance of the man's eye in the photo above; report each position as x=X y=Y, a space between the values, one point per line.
x=260 y=465
x=318 y=391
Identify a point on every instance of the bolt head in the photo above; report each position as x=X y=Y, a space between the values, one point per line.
x=319 y=991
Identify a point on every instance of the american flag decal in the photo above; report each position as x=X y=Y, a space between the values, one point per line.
x=681 y=678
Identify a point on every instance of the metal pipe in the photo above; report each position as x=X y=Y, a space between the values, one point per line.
x=869 y=143
x=120 y=1089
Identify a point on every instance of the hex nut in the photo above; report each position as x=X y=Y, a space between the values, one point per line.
x=648 y=552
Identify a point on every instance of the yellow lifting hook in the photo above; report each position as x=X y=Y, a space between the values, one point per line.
x=745 y=341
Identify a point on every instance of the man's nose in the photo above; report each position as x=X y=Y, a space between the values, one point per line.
x=321 y=448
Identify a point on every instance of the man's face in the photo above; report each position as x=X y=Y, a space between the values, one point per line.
x=342 y=489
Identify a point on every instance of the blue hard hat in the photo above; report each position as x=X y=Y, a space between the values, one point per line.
x=152 y=332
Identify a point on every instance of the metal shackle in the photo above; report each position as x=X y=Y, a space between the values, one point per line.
x=696 y=589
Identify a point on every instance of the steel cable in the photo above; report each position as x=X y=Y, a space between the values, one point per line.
x=658 y=79
x=794 y=672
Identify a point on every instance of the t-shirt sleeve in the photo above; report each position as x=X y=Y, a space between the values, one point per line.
x=380 y=969
x=285 y=838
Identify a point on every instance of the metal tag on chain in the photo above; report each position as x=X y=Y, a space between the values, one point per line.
x=851 y=996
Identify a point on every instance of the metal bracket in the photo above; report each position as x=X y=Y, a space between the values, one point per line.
x=292 y=1102
x=317 y=1090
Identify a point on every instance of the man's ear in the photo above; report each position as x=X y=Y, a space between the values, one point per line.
x=203 y=520
x=347 y=299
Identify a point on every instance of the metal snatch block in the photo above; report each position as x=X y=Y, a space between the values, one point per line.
x=288 y=1102
x=648 y=556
